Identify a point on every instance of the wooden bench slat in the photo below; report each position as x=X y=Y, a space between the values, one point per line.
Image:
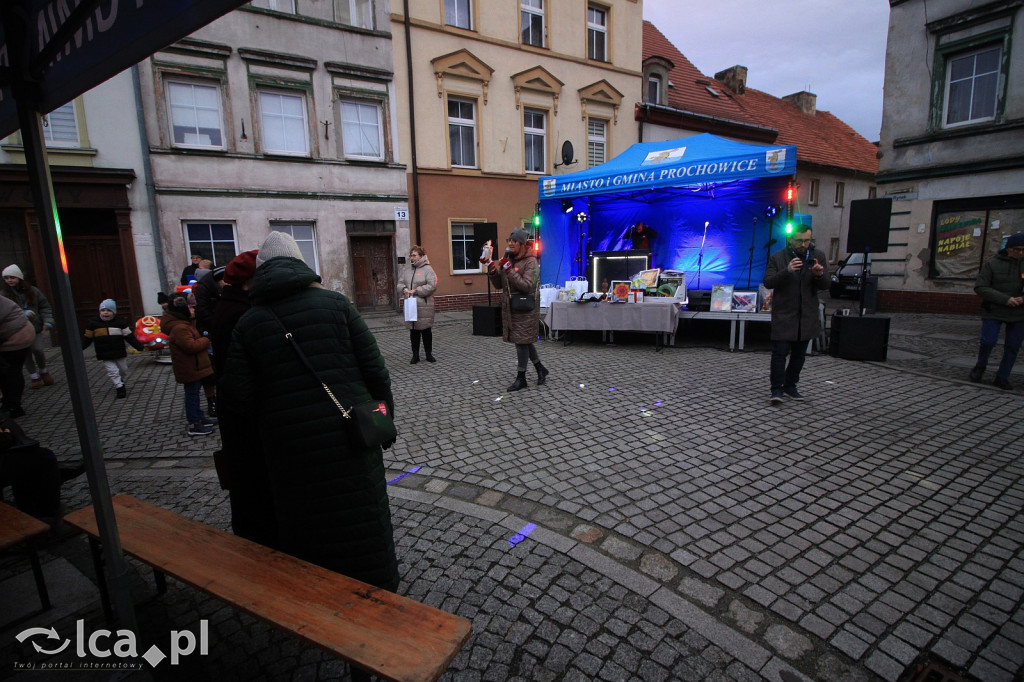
x=17 y=526
x=395 y=637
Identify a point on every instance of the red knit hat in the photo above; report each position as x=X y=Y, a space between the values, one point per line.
x=241 y=268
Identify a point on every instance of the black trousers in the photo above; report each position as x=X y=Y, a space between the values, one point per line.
x=783 y=375
x=12 y=381
x=428 y=341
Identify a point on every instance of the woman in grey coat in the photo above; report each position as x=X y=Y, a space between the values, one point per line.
x=419 y=280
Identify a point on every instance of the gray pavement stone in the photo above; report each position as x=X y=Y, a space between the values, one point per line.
x=901 y=535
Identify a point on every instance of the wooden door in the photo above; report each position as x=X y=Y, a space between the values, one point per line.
x=96 y=270
x=374 y=271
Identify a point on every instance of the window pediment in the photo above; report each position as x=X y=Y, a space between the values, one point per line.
x=601 y=92
x=461 y=64
x=540 y=80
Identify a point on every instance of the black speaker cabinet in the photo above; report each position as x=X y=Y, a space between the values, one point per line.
x=859 y=338
x=869 y=226
x=487 y=320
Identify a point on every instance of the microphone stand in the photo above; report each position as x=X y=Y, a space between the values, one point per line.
x=750 y=263
x=700 y=256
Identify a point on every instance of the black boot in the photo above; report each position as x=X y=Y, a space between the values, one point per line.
x=428 y=344
x=519 y=383
x=542 y=373
x=122 y=391
x=414 y=340
x=211 y=407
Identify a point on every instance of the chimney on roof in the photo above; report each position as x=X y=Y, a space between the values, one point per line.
x=734 y=78
x=806 y=102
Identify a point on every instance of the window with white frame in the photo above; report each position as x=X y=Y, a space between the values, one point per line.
x=597 y=33
x=284 y=124
x=654 y=89
x=531 y=22
x=195 y=112
x=215 y=240
x=535 y=140
x=462 y=132
x=840 y=191
x=286 y=6
x=355 y=13
x=812 y=192
x=972 y=80
x=60 y=127
x=305 y=236
x=362 y=135
x=464 y=256
x=597 y=142
x=457 y=13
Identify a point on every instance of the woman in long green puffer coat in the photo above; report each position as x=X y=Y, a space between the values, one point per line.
x=330 y=499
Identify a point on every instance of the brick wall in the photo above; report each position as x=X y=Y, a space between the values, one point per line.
x=928 y=302
x=464 y=302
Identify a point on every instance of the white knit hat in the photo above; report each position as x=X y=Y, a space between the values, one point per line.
x=13 y=271
x=277 y=244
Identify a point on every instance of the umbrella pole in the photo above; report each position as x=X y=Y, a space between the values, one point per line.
x=74 y=360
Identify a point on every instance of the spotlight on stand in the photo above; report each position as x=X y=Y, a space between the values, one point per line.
x=582 y=217
x=566 y=206
x=771 y=210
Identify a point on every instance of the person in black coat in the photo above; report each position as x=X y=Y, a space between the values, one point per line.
x=796 y=274
x=330 y=497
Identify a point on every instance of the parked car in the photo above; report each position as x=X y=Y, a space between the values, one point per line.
x=846 y=280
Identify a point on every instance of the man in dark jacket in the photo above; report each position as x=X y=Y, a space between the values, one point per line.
x=795 y=273
x=189 y=272
x=1000 y=284
x=330 y=496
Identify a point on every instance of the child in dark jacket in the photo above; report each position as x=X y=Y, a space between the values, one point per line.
x=190 y=362
x=110 y=333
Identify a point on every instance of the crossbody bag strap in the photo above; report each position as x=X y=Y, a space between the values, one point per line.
x=305 y=361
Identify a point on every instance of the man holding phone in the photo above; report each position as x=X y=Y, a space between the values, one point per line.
x=795 y=273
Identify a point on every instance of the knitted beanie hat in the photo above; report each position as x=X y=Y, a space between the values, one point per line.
x=241 y=268
x=13 y=271
x=520 y=235
x=277 y=244
x=109 y=304
x=1014 y=240
x=177 y=305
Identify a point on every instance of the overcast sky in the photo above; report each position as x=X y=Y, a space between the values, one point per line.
x=833 y=48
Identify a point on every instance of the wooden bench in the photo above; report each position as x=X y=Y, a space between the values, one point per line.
x=375 y=630
x=17 y=527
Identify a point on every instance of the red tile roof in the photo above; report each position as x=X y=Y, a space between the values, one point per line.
x=820 y=138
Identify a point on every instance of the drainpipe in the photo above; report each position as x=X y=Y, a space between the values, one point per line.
x=646 y=117
x=412 y=128
x=147 y=176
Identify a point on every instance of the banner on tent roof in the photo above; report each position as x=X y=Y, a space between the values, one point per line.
x=703 y=159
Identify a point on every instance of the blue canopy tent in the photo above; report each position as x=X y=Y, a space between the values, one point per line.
x=681 y=188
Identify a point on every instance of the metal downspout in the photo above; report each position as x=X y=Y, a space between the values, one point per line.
x=147 y=176
x=412 y=127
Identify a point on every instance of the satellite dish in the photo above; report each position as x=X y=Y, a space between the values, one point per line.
x=567 y=154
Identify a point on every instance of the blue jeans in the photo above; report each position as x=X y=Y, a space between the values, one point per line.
x=783 y=376
x=193 y=412
x=1012 y=343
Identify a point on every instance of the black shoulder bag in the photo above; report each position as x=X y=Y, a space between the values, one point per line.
x=369 y=423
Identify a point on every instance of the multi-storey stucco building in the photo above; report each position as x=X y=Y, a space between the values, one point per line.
x=281 y=116
x=494 y=89
x=952 y=147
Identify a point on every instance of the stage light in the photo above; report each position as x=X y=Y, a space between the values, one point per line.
x=566 y=206
x=536 y=215
x=581 y=217
x=771 y=210
x=790 y=206
x=536 y=246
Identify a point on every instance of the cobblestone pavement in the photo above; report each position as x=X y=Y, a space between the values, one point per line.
x=684 y=528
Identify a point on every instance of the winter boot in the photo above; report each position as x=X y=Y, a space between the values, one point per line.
x=47 y=377
x=122 y=391
x=519 y=383
x=542 y=373
x=211 y=407
x=36 y=381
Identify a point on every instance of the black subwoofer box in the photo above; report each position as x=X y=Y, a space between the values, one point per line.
x=487 y=320
x=859 y=338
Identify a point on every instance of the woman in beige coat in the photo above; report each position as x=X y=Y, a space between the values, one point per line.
x=419 y=280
